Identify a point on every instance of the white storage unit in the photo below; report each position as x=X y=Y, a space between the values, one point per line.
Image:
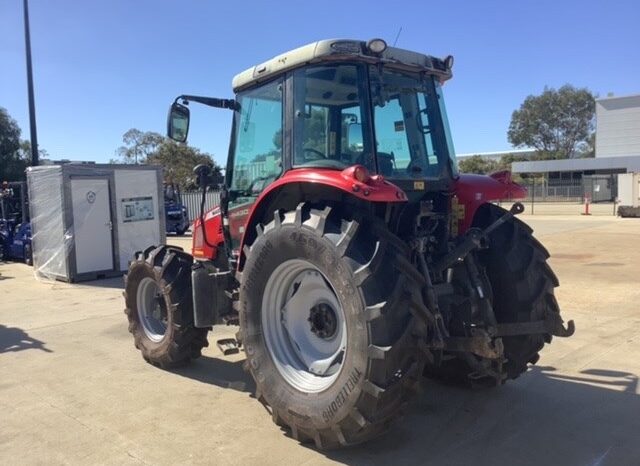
x=88 y=220
x=629 y=189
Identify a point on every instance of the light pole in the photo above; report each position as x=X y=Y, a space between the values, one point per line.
x=32 y=105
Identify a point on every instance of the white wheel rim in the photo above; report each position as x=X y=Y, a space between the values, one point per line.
x=152 y=312
x=304 y=326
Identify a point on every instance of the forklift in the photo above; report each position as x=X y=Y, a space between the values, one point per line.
x=15 y=225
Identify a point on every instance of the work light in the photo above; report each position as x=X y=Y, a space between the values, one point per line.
x=377 y=46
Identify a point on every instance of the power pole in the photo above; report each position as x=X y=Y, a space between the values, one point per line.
x=32 y=105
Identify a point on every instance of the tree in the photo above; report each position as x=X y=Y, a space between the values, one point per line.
x=138 y=145
x=25 y=152
x=477 y=164
x=178 y=161
x=12 y=164
x=557 y=123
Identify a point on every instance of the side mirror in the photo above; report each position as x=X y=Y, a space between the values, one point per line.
x=178 y=122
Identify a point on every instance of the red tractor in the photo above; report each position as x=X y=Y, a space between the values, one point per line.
x=348 y=248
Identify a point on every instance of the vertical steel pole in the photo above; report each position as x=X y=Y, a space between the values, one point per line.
x=533 y=194
x=32 y=105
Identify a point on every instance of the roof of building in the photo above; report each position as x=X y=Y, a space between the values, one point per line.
x=613 y=97
x=629 y=163
x=498 y=154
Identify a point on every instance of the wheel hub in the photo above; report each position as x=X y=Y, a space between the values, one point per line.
x=304 y=325
x=152 y=310
x=323 y=320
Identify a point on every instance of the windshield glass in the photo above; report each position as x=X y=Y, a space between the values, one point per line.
x=332 y=122
x=409 y=136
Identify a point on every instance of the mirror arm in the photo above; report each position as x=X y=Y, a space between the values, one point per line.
x=210 y=101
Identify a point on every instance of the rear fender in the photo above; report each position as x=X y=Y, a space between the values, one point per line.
x=306 y=184
x=472 y=191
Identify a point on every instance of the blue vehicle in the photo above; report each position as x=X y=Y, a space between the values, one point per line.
x=15 y=228
x=15 y=241
x=176 y=214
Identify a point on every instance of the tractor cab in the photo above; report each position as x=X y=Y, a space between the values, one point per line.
x=334 y=110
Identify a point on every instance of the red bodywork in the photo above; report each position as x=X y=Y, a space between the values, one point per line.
x=369 y=188
x=474 y=190
x=471 y=191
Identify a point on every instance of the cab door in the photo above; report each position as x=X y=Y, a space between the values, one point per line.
x=256 y=151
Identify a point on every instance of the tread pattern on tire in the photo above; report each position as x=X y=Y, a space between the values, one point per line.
x=395 y=354
x=171 y=268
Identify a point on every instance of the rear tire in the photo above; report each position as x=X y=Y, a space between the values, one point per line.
x=377 y=290
x=159 y=307
x=522 y=285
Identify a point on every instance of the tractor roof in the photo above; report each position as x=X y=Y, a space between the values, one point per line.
x=339 y=50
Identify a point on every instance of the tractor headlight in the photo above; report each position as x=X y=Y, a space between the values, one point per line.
x=376 y=46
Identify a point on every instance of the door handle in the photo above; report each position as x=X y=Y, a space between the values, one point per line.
x=109 y=224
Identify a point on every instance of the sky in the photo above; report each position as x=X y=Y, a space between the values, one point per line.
x=103 y=67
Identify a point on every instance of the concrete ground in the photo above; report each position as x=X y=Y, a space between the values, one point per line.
x=73 y=389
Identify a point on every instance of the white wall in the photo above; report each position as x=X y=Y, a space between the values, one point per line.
x=629 y=189
x=137 y=236
x=618 y=126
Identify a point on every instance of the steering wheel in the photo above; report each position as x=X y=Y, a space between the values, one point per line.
x=317 y=154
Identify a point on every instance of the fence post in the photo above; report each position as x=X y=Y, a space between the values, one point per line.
x=533 y=195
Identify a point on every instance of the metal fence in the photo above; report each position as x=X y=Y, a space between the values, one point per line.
x=597 y=188
x=192 y=200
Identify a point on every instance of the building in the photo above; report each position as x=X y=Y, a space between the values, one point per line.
x=617 y=144
x=618 y=126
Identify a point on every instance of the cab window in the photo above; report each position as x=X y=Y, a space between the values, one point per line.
x=258 y=139
x=328 y=128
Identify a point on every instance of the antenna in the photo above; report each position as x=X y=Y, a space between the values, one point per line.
x=397 y=35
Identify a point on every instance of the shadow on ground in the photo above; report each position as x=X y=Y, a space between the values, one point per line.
x=114 y=282
x=219 y=372
x=541 y=418
x=14 y=339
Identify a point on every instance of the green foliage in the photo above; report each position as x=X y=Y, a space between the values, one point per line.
x=138 y=145
x=176 y=159
x=557 y=123
x=477 y=164
x=12 y=161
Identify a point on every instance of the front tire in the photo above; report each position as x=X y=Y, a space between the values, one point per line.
x=159 y=307
x=352 y=388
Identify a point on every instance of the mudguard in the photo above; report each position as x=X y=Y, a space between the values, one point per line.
x=472 y=191
x=374 y=189
x=242 y=219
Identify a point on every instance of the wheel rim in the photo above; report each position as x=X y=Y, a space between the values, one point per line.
x=304 y=326
x=152 y=310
